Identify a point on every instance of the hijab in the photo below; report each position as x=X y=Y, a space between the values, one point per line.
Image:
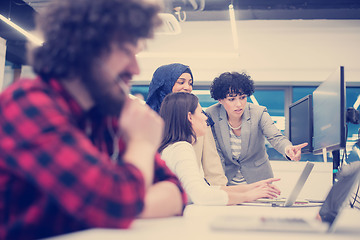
x=163 y=81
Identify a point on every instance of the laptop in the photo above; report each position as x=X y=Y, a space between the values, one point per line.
x=292 y=198
x=325 y=220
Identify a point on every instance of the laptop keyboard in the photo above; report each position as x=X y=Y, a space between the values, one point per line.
x=280 y=200
x=283 y=220
x=271 y=200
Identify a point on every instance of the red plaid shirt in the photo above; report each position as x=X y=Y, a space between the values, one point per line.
x=56 y=176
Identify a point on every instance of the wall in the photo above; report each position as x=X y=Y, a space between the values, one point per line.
x=278 y=52
x=273 y=52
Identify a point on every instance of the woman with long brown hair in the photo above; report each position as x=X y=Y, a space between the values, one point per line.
x=184 y=122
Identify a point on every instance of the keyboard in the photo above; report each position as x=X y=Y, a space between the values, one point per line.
x=275 y=220
x=279 y=200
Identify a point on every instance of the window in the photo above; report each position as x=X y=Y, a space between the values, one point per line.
x=277 y=100
x=140 y=89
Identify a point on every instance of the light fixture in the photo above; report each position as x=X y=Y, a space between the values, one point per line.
x=170 y=26
x=31 y=37
x=178 y=14
x=233 y=27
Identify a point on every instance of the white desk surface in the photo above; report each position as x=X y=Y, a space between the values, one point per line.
x=195 y=225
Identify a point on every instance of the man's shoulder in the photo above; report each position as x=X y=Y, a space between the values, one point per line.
x=19 y=89
x=24 y=85
x=30 y=92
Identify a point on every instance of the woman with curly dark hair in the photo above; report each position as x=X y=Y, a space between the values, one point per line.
x=240 y=130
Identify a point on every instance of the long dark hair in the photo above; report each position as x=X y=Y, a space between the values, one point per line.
x=174 y=110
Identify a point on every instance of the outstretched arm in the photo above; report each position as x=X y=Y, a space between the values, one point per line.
x=250 y=192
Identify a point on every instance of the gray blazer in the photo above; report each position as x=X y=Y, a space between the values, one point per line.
x=256 y=125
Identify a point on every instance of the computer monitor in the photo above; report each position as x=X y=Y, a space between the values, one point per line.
x=301 y=123
x=329 y=113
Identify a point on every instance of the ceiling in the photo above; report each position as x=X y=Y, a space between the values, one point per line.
x=22 y=13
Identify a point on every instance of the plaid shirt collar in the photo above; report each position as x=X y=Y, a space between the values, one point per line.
x=74 y=106
x=93 y=123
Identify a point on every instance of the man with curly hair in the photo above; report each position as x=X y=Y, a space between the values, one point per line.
x=240 y=130
x=75 y=151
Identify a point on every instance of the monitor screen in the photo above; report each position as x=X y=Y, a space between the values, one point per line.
x=329 y=113
x=301 y=123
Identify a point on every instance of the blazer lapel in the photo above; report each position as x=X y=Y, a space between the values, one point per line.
x=224 y=128
x=245 y=131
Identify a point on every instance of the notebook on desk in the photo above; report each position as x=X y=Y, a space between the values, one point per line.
x=325 y=220
x=292 y=198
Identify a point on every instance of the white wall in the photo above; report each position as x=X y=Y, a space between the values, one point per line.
x=273 y=52
x=287 y=52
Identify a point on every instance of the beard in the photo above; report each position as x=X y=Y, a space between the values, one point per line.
x=101 y=89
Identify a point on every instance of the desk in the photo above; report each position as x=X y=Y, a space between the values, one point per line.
x=195 y=225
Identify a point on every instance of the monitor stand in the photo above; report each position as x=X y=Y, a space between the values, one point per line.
x=324 y=153
x=336 y=163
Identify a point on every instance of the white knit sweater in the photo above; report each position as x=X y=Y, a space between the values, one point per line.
x=181 y=159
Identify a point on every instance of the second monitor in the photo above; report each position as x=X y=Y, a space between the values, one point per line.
x=301 y=123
